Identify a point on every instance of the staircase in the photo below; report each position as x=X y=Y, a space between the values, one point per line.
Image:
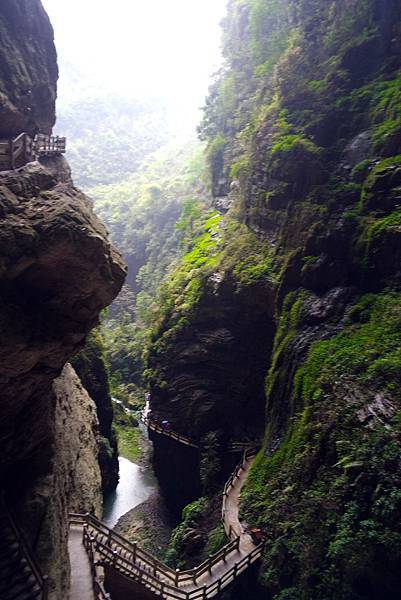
x=20 y=579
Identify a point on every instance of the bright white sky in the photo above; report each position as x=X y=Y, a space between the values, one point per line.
x=165 y=48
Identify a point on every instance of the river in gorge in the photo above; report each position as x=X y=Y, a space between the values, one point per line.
x=136 y=484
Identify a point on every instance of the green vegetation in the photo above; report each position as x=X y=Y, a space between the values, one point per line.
x=222 y=248
x=109 y=136
x=344 y=500
x=199 y=534
x=191 y=515
x=152 y=217
x=129 y=442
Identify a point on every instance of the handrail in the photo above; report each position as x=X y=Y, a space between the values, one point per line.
x=153 y=423
x=229 y=530
x=98 y=588
x=41 y=580
x=20 y=137
x=138 y=564
x=154 y=582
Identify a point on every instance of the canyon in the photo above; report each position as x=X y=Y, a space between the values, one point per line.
x=273 y=322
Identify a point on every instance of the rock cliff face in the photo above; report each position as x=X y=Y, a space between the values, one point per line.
x=304 y=133
x=57 y=272
x=28 y=69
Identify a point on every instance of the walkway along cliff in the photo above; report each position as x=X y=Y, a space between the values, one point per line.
x=124 y=562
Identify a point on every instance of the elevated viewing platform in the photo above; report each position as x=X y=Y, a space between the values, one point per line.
x=17 y=152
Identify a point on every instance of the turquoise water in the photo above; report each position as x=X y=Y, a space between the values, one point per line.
x=135 y=486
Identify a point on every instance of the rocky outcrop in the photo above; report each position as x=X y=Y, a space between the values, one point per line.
x=28 y=69
x=215 y=366
x=58 y=271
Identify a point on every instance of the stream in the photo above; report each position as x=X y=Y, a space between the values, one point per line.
x=136 y=484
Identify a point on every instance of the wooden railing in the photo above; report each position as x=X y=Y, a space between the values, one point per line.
x=155 y=424
x=110 y=548
x=17 y=152
x=46 y=144
x=42 y=581
x=137 y=564
x=98 y=587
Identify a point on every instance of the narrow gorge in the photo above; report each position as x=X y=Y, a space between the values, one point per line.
x=247 y=360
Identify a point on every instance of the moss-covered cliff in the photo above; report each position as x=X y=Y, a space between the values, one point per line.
x=296 y=291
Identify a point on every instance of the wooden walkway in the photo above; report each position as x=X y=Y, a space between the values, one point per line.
x=107 y=547
x=81 y=577
x=154 y=423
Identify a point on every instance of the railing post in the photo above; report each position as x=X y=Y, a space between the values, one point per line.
x=204 y=592
x=238 y=541
x=210 y=565
x=134 y=550
x=114 y=558
x=177 y=575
